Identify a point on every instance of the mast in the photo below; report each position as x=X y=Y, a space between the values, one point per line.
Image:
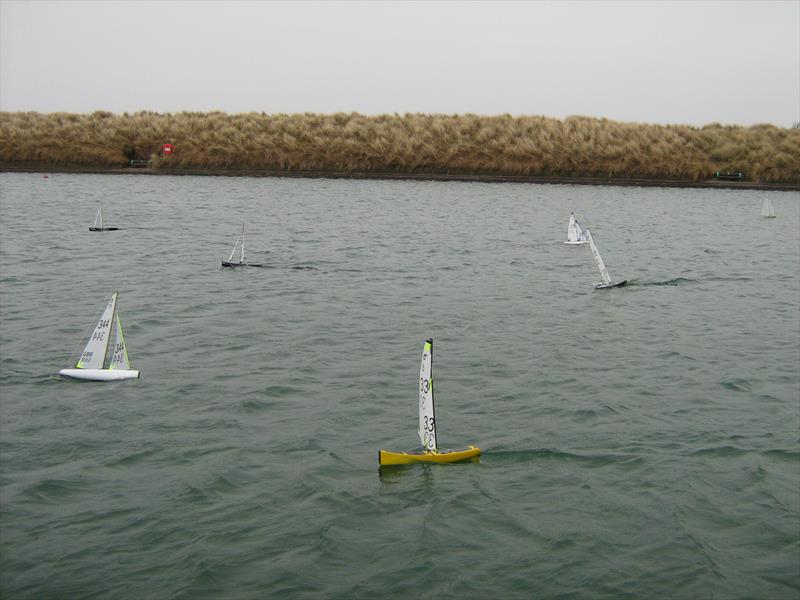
x=241 y=256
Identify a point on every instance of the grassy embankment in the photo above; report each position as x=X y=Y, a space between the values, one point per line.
x=414 y=144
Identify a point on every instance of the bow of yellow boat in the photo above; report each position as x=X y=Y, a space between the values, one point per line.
x=385 y=457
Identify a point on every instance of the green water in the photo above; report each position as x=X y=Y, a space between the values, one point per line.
x=641 y=442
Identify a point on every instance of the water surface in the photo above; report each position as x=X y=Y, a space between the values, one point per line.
x=638 y=442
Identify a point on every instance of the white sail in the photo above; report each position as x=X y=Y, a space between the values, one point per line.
x=575 y=234
x=95 y=352
x=98 y=220
x=233 y=251
x=598 y=259
x=579 y=232
x=239 y=240
x=572 y=233
x=427 y=415
x=119 y=357
x=766 y=209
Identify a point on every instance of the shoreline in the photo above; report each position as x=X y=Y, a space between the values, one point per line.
x=475 y=178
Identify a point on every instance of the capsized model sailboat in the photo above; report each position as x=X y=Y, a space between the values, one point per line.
x=767 y=210
x=230 y=262
x=575 y=235
x=90 y=364
x=427 y=425
x=602 y=266
x=98 y=223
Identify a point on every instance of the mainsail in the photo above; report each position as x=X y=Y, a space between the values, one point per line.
x=95 y=352
x=236 y=243
x=598 y=259
x=572 y=233
x=575 y=234
x=98 y=220
x=119 y=358
x=427 y=415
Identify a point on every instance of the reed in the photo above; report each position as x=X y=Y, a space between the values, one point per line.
x=411 y=143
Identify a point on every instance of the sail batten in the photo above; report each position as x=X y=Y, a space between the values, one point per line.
x=94 y=353
x=427 y=413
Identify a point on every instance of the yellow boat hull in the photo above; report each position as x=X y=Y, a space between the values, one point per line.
x=407 y=458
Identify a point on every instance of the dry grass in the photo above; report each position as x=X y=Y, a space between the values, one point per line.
x=411 y=143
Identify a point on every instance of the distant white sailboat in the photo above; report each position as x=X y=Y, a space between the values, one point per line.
x=602 y=267
x=767 y=210
x=575 y=235
x=241 y=263
x=90 y=364
x=98 y=222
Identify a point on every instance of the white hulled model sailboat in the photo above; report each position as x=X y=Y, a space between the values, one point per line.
x=90 y=364
x=575 y=235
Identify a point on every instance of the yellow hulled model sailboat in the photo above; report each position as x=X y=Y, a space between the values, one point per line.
x=427 y=425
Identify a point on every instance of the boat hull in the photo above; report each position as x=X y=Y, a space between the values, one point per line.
x=385 y=457
x=568 y=243
x=608 y=286
x=225 y=263
x=100 y=374
x=103 y=228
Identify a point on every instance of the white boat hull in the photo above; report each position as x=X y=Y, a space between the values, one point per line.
x=576 y=243
x=100 y=374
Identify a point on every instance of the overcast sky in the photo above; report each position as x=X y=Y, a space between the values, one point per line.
x=659 y=62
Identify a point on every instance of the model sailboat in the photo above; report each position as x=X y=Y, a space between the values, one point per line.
x=90 y=364
x=575 y=235
x=767 y=210
x=427 y=425
x=241 y=263
x=602 y=266
x=98 y=222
